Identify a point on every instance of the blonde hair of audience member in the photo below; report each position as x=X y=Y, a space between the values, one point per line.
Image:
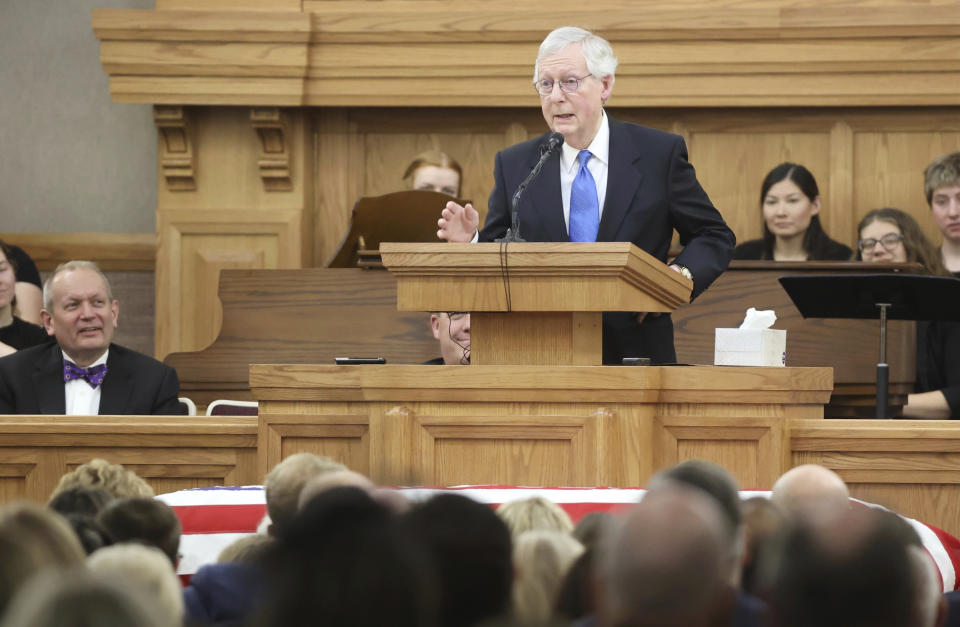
x=336 y=479
x=811 y=491
x=534 y=513
x=32 y=539
x=148 y=573
x=912 y=247
x=541 y=560
x=283 y=484
x=247 y=550
x=941 y=185
x=114 y=478
x=434 y=171
x=75 y=598
x=931 y=604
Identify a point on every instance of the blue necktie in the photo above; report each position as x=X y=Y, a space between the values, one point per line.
x=584 y=208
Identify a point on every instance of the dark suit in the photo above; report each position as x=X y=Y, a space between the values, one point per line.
x=651 y=190
x=31 y=382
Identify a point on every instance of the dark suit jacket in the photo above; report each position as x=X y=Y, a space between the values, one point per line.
x=651 y=190
x=31 y=382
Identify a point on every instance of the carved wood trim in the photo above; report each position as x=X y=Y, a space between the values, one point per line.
x=272 y=129
x=178 y=160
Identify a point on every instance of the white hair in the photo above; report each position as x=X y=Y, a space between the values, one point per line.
x=69 y=266
x=147 y=572
x=596 y=50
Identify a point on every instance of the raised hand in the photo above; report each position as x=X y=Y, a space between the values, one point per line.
x=458 y=224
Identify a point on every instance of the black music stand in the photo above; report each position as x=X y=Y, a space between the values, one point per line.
x=883 y=296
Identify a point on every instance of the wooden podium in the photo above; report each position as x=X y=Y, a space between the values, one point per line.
x=535 y=407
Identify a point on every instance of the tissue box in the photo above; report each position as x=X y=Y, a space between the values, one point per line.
x=750 y=347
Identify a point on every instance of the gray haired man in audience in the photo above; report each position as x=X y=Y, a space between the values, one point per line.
x=83 y=372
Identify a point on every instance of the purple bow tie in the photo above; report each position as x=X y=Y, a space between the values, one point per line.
x=93 y=375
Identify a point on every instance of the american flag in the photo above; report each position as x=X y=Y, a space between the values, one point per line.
x=213 y=518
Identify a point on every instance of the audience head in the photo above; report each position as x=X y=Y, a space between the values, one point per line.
x=434 y=171
x=8 y=280
x=720 y=486
x=80 y=499
x=452 y=329
x=790 y=203
x=851 y=570
x=592 y=528
x=147 y=572
x=534 y=513
x=98 y=473
x=147 y=521
x=574 y=75
x=811 y=491
x=892 y=236
x=283 y=484
x=941 y=184
x=541 y=560
x=336 y=479
x=472 y=550
x=763 y=520
x=32 y=539
x=931 y=605
x=576 y=597
x=79 y=310
x=345 y=560
x=75 y=598
x=92 y=534
x=668 y=565
x=247 y=550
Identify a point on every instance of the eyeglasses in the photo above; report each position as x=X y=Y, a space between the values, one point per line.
x=888 y=241
x=569 y=85
x=457 y=315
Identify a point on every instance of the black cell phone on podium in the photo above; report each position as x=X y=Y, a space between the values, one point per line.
x=357 y=361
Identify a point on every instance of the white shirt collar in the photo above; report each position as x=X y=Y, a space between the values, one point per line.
x=599 y=147
x=100 y=360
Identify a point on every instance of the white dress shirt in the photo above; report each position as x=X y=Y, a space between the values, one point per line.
x=598 y=165
x=82 y=398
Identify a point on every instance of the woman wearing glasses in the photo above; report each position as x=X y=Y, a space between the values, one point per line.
x=892 y=236
x=790 y=202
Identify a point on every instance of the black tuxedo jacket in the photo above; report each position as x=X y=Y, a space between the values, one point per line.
x=652 y=189
x=31 y=382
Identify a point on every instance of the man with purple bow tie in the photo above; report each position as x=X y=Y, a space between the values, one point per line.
x=83 y=373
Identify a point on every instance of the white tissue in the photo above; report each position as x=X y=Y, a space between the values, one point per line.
x=759 y=319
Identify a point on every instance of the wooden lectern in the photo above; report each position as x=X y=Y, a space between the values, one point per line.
x=535 y=407
x=533 y=303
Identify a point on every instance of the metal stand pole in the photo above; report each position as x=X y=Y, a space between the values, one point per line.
x=883 y=370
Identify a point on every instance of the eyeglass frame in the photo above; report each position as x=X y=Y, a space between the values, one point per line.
x=870 y=243
x=553 y=83
x=457 y=315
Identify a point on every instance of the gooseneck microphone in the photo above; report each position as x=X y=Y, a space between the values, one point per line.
x=550 y=145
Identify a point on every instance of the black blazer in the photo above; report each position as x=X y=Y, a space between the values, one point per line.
x=31 y=382
x=652 y=189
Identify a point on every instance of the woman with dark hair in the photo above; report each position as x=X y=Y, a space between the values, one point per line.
x=790 y=201
x=893 y=236
x=15 y=333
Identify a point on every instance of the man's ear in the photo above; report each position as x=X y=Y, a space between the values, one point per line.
x=115 y=308
x=47 y=321
x=435 y=326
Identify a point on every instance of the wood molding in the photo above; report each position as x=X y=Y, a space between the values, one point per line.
x=177 y=157
x=111 y=251
x=411 y=53
x=274 y=162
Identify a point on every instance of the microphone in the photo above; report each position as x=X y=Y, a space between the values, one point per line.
x=550 y=145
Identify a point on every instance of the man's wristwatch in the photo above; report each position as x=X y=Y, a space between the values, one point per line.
x=684 y=271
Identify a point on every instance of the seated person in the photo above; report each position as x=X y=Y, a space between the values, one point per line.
x=790 y=202
x=15 y=333
x=942 y=187
x=434 y=171
x=83 y=373
x=892 y=236
x=29 y=286
x=452 y=330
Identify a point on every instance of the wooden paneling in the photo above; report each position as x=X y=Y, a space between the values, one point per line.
x=418 y=53
x=111 y=251
x=170 y=453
